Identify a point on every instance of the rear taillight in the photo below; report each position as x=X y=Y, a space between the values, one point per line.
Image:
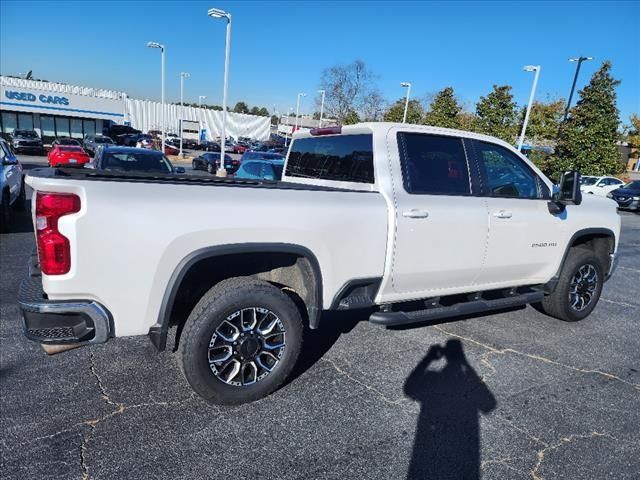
x=53 y=247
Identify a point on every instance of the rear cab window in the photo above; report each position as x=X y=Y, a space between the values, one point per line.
x=341 y=158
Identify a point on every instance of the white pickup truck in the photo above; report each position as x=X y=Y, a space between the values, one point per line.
x=418 y=223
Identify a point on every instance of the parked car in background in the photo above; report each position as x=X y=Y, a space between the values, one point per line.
x=211 y=162
x=92 y=142
x=128 y=159
x=170 y=149
x=210 y=146
x=118 y=132
x=67 y=156
x=144 y=141
x=190 y=144
x=65 y=141
x=260 y=147
x=11 y=185
x=26 y=141
x=260 y=170
x=627 y=197
x=280 y=150
x=251 y=155
x=599 y=185
x=240 y=148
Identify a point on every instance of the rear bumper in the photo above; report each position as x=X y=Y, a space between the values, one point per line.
x=57 y=322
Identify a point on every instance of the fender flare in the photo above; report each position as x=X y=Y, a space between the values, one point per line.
x=550 y=286
x=158 y=331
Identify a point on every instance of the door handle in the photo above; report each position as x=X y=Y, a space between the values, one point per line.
x=502 y=214
x=415 y=213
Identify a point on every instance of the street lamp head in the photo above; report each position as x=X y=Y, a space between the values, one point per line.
x=531 y=68
x=580 y=59
x=302 y=94
x=155 y=45
x=321 y=91
x=185 y=74
x=217 y=13
x=405 y=84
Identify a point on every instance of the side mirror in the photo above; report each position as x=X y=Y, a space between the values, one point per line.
x=179 y=170
x=568 y=192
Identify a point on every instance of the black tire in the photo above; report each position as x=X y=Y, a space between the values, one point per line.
x=194 y=165
x=21 y=201
x=220 y=303
x=559 y=303
x=210 y=168
x=5 y=213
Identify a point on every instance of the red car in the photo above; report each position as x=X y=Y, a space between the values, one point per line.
x=67 y=155
x=237 y=148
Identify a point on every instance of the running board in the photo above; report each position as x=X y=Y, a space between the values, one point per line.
x=390 y=319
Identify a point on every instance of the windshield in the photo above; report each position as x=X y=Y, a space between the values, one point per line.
x=70 y=149
x=136 y=161
x=25 y=133
x=588 y=180
x=633 y=185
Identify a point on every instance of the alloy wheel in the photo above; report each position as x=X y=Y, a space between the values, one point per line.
x=247 y=346
x=583 y=286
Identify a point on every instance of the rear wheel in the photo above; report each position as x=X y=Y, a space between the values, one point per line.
x=210 y=168
x=579 y=287
x=194 y=165
x=240 y=342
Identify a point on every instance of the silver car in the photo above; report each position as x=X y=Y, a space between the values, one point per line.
x=11 y=185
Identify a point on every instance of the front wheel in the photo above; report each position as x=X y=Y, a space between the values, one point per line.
x=240 y=342
x=579 y=287
x=193 y=165
x=21 y=201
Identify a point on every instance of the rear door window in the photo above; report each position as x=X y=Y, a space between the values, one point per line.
x=343 y=158
x=433 y=164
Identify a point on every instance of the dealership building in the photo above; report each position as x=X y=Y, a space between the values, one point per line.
x=61 y=110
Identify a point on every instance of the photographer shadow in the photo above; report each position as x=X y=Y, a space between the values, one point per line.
x=447 y=439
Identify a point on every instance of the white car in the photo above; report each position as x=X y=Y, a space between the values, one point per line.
x=600 y=186
x=414 y=223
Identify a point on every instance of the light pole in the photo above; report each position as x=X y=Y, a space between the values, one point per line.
x=321 y=107
x=580 y=59
x=529 y=68
x=286 y=138
x=298 y=109
x=406 y=85
x=217 y=13
x=200 y=98
x=162 y=48
x=183 y=75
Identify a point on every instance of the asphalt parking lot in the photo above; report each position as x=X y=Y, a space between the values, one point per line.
x=516 y=395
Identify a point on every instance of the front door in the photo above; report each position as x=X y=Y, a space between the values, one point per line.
x=441 y=228
x=523 y=235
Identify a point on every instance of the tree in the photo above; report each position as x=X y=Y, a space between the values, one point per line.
x=347 y=88
x=275 y=120
x=588 y=138
x=350 y=118
x=373 y=106
x=633 y=135
x=254 y=111
x=263 y=112
x=496 y=114
x=395 y=112
x=241 y=107
x=468 y=122
x=444 y=110
x=544 y=121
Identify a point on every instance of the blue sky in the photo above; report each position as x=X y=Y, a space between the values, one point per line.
x=281 y=48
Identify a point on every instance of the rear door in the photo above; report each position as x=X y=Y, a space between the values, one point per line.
x=441 y=225
x=523 y=235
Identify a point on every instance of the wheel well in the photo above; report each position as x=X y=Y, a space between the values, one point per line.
x=295 y=274
x=600 y=243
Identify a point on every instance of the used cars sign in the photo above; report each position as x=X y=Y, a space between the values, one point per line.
x=30 y=97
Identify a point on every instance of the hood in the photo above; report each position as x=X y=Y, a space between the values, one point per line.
x=625 y=192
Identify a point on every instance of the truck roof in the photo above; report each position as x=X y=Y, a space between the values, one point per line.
x=377 y=127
